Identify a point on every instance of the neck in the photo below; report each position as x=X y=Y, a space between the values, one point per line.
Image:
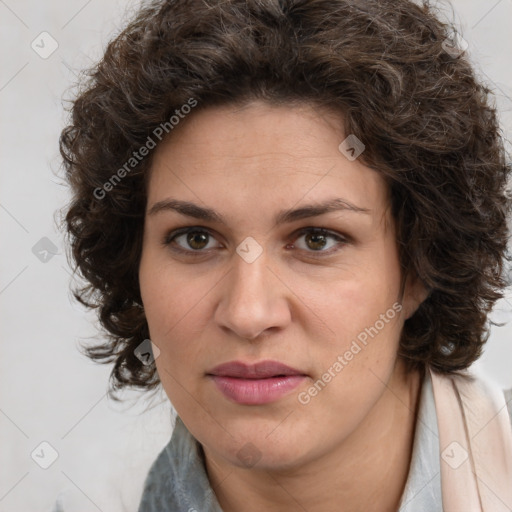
x=369 y=467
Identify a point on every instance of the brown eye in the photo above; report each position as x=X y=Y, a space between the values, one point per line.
x=317 y=239
x=189 y=240
x=197 y=239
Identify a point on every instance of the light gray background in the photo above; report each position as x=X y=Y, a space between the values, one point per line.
x=48 y=390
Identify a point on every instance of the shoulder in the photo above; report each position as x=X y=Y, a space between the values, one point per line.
x=469 y=388
x=508 y=400
x=159 y=479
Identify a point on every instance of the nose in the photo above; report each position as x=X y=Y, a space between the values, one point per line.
x=253 y=299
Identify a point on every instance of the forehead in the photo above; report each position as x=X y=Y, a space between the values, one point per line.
x=262 y=155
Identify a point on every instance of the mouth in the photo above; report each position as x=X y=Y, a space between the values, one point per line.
x=261 y=370
x=256 y=384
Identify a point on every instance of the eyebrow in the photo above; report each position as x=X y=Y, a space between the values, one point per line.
x=189 y=209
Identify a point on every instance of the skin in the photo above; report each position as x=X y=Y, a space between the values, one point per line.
x=350 y=446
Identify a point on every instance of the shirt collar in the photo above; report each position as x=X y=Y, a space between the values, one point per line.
x=423 y=487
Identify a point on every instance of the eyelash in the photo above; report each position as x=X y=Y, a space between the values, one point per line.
x=169 y=239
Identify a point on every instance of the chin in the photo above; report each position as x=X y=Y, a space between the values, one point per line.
x=268 y=458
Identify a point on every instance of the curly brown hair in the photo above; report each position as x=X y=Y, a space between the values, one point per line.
x=428 y=125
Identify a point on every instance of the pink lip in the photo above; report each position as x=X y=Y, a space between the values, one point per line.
x=260 y=370
x=260 y=383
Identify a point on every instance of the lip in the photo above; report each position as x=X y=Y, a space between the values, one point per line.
x=260 y=370
x=255 y=384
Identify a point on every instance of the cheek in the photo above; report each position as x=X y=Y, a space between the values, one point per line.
x=357 y=304
x=174 y=310
x=165 y=298
x=174 y=326
x=169 y=313
x=365 y=317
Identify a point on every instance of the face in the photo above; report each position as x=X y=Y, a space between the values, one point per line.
x=261 y=269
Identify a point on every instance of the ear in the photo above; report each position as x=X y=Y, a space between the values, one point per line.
x=415 y=292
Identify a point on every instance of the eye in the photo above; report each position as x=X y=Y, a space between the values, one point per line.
x=317 y=239
x=189 y=240
x=196 y=241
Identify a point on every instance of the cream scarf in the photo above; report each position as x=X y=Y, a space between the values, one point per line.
x=475 y=438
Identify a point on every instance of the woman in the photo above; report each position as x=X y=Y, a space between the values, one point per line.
x=292 y=215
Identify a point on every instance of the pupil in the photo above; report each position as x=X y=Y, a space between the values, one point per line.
x=315 y=238
x=194 y=236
